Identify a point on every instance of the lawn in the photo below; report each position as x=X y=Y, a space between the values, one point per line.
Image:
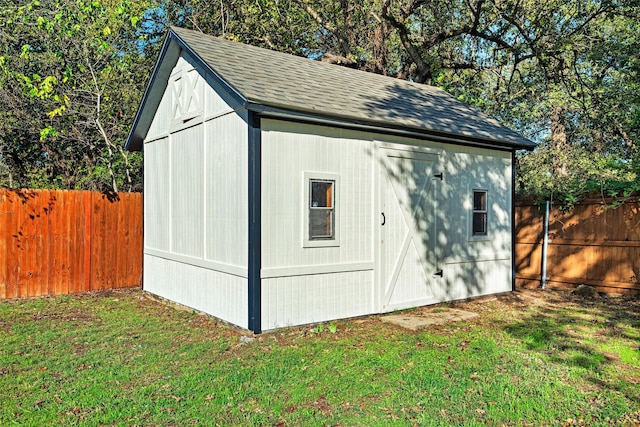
x=531 y=358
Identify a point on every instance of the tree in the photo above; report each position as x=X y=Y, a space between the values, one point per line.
x=70 y=79
x=565 y=76
x=564 y=73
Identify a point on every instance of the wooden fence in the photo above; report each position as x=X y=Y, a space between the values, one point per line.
x=63 y=242
x=593 y=244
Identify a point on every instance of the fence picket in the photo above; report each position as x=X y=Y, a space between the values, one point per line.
x=46 y=240
x=61 y=242
x=593 y=244
x=4 y=253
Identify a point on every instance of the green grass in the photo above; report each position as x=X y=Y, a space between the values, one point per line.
x=120 y=358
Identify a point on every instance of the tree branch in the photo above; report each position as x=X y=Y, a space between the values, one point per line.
x=344 y=45
x=103 y=133
x=425 y=73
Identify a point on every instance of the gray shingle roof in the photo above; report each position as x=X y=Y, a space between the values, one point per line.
x=273 y=79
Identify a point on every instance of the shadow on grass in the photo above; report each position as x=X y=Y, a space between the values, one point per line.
x=600 y=337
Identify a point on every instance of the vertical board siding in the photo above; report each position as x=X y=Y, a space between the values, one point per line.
x=226 y=190
x=157 y=201
x=159 y=128
x=63 y=242
x=219 y=294
x=196 y=222
x=495 y=274
x=289 y=150
x=187 y=192
x=593 y=244
x=299 y=285
x=471 y=265
x=295 y=296
x=288 y=301
x=467 y=169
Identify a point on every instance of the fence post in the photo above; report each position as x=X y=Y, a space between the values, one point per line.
x=545 y=245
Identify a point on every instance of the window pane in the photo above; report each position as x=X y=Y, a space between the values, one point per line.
x=321 y=223
x=321 y=194
x=479 y=223
x=479 y=200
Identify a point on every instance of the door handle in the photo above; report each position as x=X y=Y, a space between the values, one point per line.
x=438 y=273
x=384 y=219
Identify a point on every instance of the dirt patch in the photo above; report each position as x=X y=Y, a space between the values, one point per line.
x=422 y=319
x=537 y=298
x=508 y=305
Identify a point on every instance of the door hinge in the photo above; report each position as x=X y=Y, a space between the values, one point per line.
x=439 y=273
x=439 y=175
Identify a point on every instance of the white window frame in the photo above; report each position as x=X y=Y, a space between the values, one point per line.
x=307 y=241
x=472 y=211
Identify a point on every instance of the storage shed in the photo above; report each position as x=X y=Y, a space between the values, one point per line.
x=281 y=191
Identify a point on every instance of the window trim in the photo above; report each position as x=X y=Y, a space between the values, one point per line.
x=307 y=241
x=473 y=211
x=185 y=84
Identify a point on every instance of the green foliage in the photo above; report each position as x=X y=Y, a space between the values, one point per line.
x=321 y=328
x=565 y=74
x=589 y=174
x=70 y=79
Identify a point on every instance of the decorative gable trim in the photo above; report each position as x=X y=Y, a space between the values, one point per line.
x=186 y=94
x=171 y=51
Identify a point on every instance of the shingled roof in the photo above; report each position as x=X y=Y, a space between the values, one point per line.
x=274 y=83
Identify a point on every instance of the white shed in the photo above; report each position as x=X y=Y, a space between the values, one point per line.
x=281 y=191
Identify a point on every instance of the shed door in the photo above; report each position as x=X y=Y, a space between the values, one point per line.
x=407 y=229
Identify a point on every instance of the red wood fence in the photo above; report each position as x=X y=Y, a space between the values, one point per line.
x=63 y=242
x=593 y=244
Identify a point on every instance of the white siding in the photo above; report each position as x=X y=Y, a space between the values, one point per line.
x=157 y=187
x=196 y=225
x=160 y=125
x=311 y=284
x=188 y=89
x=476 y=266
x=187 y=195
x=475 y=278
x=219 y=294
x=302 y=285
x=289 y=150
x=297 y=300
x=196 y=215
x=226 y=189
x=471 y=266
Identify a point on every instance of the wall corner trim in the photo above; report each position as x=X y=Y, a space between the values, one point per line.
x=254 y=205
x=513 y=221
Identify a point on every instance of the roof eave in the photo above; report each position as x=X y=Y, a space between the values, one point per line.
x=167 y=59
x=280 y=112
x=170 y=52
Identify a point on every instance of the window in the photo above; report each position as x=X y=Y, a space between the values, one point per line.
x=479 y=220
x=320 y=215
x=321 y=209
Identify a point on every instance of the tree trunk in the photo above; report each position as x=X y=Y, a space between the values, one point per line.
x=559 y=139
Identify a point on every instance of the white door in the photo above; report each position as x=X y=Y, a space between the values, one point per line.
x=407 y=228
